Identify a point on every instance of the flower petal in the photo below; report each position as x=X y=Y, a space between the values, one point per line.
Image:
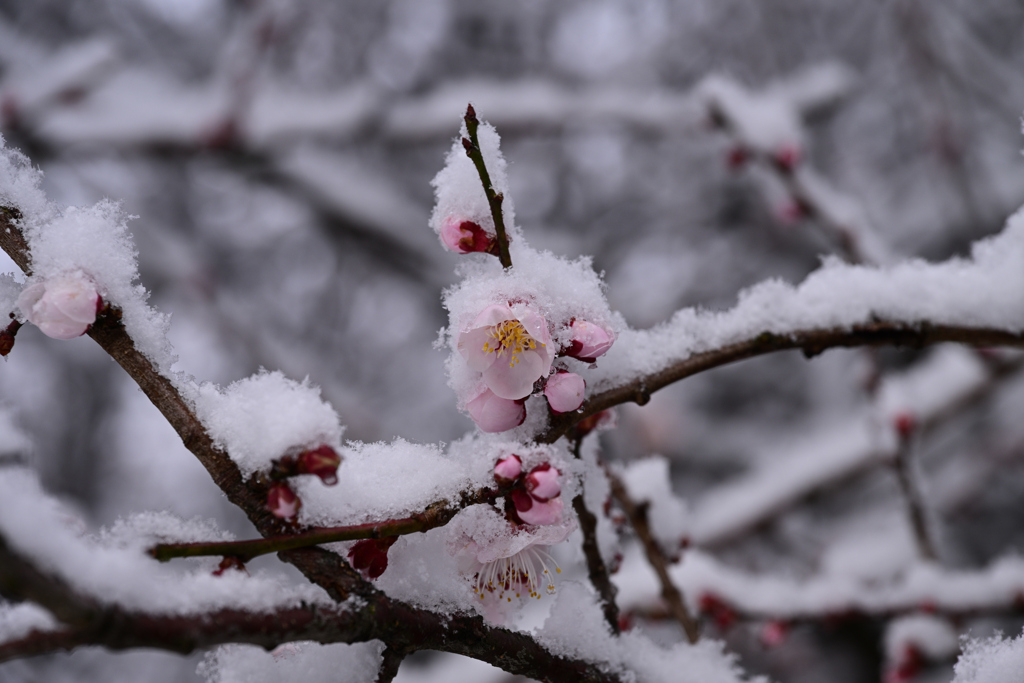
x=516 y=381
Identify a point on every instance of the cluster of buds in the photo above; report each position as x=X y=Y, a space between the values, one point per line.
x=535 y=497
x=514 y=353
x=282 y=501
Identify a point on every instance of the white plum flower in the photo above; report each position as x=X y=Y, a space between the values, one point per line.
x=512 y=351
x=62 y=307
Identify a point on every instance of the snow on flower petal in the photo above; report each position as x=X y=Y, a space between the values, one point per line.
x=565 y=391
x=62 y=307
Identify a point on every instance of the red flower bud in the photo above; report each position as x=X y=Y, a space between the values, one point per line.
x=230 y=562
x=323 y=462
x=370 y=557
x=283 y=502
x=905 y=424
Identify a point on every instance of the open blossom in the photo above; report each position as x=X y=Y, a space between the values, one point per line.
x=589 y=341
x=62 y=307
x=506 y=561
x=564 y=391
x=511 y=350
x=493 y=414
x=465 y=237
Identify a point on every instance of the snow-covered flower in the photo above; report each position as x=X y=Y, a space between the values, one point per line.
x=564 y=391
x=506 y=560
x=589 y=341
x=494 y=414
x=465 y=237
x=511 y=350
x=62 y=307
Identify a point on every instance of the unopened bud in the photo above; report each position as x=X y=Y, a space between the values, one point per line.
x=508 y=469
x=370 y=557
x=322 y=461
x=282 y=501
x=230 y=562
x=466 y=237
x=7 y=337
x=905 y=424
x=542 y=482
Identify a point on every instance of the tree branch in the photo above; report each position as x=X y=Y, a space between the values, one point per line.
x=435 y=515
x=494 y=199
x=671 y=594
x=812 y=342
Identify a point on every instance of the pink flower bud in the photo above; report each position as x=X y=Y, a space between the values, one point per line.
x=589 y=341
x=495 y=414
x=542 y=483
x=282 y=501
x=63 y=307
x=323 y=462
x=564 y=391
x=508 y=469
x=464 y=237
x=542 y=513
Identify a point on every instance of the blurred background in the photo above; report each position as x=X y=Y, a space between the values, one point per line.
x=278 y=157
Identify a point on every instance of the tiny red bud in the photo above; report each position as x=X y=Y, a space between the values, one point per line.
x=282 y=501
x=905 y=424
x=322 y=461
x=230 y=562
x=370 y=557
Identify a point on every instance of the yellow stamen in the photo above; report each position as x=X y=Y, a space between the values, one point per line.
x=512 y=338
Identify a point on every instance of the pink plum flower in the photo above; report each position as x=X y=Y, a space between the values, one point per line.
x=508 y=469
x=62 y=307
x=589 y=341
x=507 y=561
x=511 y=350
x=464 y=237
x=564 y=391
x=493 y=414
x=540 y=503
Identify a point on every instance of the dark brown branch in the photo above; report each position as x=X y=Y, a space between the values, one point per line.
x=670 y=593
x=399 y=624
x=437 y=514
x=596 y=567
x=494 y=199
x=391 y=660
x=811 y=342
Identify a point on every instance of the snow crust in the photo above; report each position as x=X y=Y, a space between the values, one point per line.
x=114 y=566
x=990 y=660
x=265 y=416
x=299 y=661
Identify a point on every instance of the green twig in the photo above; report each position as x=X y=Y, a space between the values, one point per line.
x=494 y=199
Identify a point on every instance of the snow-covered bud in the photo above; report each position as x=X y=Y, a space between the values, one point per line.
x=564 y=391
x=323 y=462
x=63 y=307
x=542 y=483
x=282 y=501
x=495 y=414
x=465 y=237
x=508 y=469
x=533 y=511
x=589 y=341
x=370 y=557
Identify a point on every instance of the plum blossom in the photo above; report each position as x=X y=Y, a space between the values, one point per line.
x=506 y=560
x=564 y=391
x=539 y=502
x=494 y=414
x=508 y=469
x=511 y=350
x=62 y=307
x=589 y=341
x=465 y=237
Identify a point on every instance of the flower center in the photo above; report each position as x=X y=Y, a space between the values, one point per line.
x=524 y=571
x=512 y=338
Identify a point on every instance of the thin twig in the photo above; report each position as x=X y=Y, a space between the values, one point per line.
x=812 y=342
x=904 y=467
x=435 y=515
x=596 y=567
x=494 y=199
x=670 y=593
